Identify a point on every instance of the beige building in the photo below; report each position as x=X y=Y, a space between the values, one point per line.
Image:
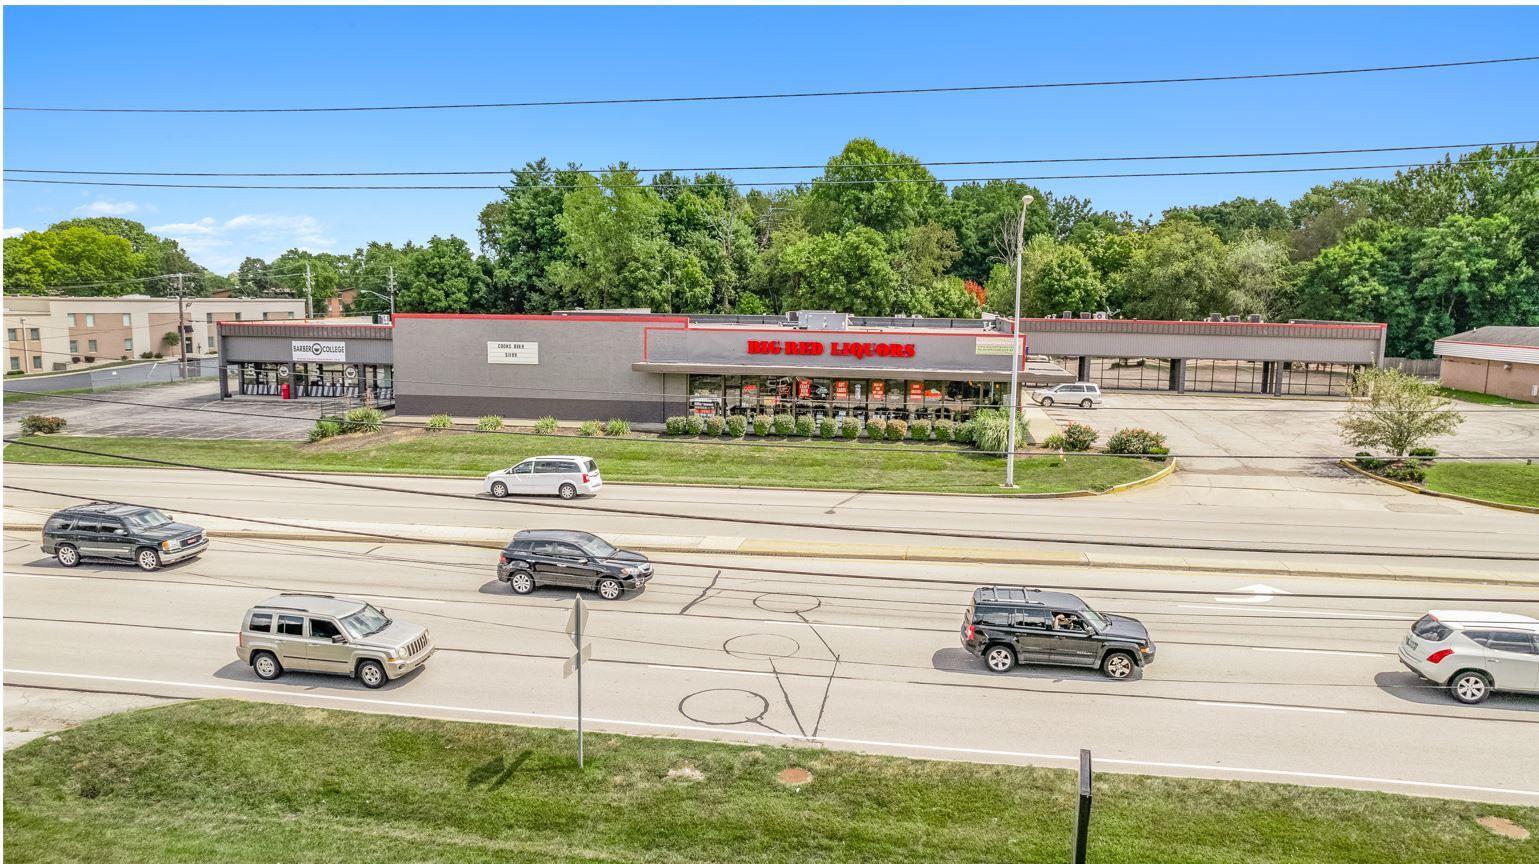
x=56 y=334
x=1501 y=361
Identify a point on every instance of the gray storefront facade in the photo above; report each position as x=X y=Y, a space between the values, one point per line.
x=291 y=360
x=645 y=368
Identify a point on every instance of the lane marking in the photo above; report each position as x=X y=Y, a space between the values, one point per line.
x=44 y=576
x=815 y=624
x=1309 y=614
x=858 y=742
x=402 y=599
x=707 y=669
x=1325 y=651
x=1270 y=707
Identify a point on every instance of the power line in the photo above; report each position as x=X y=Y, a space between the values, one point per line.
x=782 y=183
x=784 y=95
x=951 y=163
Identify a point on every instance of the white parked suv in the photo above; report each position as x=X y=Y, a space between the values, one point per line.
x=1081 y=394
x=567 y=476
x=1473 y=653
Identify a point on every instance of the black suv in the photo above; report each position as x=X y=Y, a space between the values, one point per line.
x=120 y=532
x=571 y=559
x=1008 y=625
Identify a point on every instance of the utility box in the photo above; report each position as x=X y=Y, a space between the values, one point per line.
x=821 y=320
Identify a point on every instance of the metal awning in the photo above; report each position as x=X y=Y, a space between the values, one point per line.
x=1036 y=372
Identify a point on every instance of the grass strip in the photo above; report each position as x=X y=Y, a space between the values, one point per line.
x=896 y=467
x=1506 y=483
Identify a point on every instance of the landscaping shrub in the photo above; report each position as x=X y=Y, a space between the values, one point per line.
x=590 y=428
x=1423 y=451
x=804 y=426
x=545 y=425
x=159 y=356
x=676 y=425
x=1055 y=442
x=364 y=419
x=737 y=426
x=617 y=428
x=1366 y=461
x=827 y=428
x=896 y=430
x=1405 y=473
x=944 y=430
x=785 y=424
x=694 y=424
x=964 y=433
x=37 y=424
x=876 y=428
x=714 y=424
x=991 y=430
x=1078 y=437
x=1159 y=453
x=145 y=355
x=762 y=424
x=324 y=429
x=489 y=423
x=90 y=359
x=920 y=429
x=849 y=427
x=1423 y=456
x=1135 y=441
x=440 y=421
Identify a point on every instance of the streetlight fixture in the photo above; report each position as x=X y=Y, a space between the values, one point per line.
x=1015 y=350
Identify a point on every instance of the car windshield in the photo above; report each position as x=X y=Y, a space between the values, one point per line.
x=147 y=519
x=1095 y=618
x=365 y=622
x=596 y=547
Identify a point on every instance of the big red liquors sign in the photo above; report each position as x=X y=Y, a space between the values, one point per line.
x=858 y=350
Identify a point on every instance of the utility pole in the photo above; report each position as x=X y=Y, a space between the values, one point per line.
x=309 y=285
x=391 y=292
x=1015 y=350
x=181 y=324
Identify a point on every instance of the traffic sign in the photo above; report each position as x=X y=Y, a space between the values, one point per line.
x=572 y=662
x=577 y=621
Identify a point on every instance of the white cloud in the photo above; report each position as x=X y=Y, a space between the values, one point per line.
x=108 y=207
x=222 y=245
x=13 y=232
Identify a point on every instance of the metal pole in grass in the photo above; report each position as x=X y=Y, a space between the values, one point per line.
x=1015 y=350
x=1082 y=816
x=575 y=623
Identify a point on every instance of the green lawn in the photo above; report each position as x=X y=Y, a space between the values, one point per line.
x=234 y=781
x=1504 y=482
x=906 y=466
x=1484 y=398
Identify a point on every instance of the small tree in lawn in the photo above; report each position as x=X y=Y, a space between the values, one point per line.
x=1394 y=412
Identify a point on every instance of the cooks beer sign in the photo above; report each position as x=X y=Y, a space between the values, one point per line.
x=857 y=350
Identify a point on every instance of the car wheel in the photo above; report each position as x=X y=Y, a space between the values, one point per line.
x=999 y=658
x=266 y=666
x=1117 y=664
x=1084 y=403
x=372 y=674
x=568 y=491
x=1047 y=401
x=521 y=582
x=68 y=555
x=148 y=560
x=610 y=589
x=1470 y=687
x=499 y=490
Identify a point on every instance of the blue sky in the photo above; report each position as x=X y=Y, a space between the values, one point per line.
x=294 y=56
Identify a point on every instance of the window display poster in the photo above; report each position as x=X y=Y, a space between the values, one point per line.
x=916 y=390
x=879 y=390
x=841 y=389
x=804 y=388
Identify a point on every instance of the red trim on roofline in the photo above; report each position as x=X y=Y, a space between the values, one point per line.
x=293 y=322
x=634 y=319
x=848 y=334
x=1225 y=323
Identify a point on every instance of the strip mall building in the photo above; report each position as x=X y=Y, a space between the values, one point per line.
x=645 y=368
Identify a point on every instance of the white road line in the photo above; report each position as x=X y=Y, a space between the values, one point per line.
x=707 y=669
x=753 y=733
x=1308 y=614
x=402 y=599
x=1271 y=707
x=1324 y=651
x=816 y=624
x=43 y=576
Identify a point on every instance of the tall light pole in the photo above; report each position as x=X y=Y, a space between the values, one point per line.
x=1015 y=350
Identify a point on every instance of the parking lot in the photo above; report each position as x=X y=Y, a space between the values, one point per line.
x=160 y=411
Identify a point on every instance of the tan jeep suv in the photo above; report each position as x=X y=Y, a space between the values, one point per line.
x=338 y=635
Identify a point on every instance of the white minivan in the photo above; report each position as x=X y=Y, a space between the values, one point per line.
x=567 y=476
x=1082 y=394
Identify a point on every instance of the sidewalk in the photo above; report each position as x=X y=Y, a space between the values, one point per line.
x=309 y=530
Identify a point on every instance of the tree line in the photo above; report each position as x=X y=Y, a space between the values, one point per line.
x=1433 y=251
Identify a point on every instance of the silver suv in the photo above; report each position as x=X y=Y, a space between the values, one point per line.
x=338 y=635
x=1473 y=653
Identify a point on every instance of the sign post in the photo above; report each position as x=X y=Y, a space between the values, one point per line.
x=1082 y=816
x=575 y=624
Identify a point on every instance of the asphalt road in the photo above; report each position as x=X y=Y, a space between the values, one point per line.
x=1187 y=517
x=1292 y=689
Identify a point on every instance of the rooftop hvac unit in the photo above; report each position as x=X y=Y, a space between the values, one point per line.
x=1100 y=316
x=822 y=320
x=1233 y=319
x=1068 y=314
x=1254 y=319
x=1084 y=316
x=1215 y=316
x=1052 y=315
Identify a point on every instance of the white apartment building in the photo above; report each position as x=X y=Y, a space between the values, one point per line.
x=56 y=334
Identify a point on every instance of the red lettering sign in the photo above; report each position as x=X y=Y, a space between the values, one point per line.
x=858 y=350
x=803 y=388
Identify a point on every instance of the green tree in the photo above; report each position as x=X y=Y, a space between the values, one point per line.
x=441 y=276
x=521 y=237
x=1176 y=273
x=160 y=255
x=368 y=272
x=1470 y=272
x=1258 y=272
x=325 y=269
x=1394 y=412
x=858 y=189
x=254 y=279
x=38 y=262
x=1238 y=217
x=1055 y=277
x=851 y=273
x=984 y=218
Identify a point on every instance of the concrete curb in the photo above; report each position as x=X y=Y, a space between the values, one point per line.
x=1421 y=490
